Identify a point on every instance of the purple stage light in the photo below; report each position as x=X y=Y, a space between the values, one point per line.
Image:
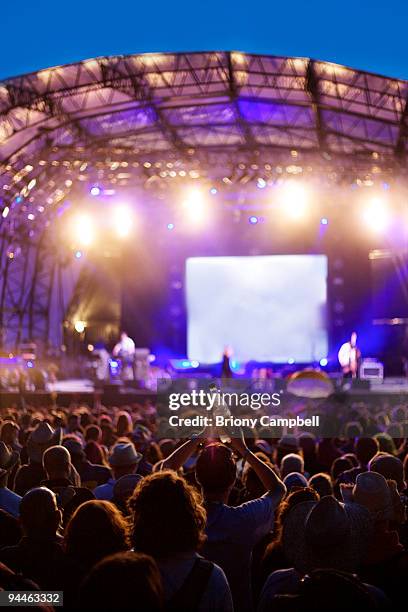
x=253 y=219
x=95 y=190
x=113 y=367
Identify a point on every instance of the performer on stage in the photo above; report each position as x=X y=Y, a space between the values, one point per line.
x=125 y=350
x=349 y=356
x=226 y=371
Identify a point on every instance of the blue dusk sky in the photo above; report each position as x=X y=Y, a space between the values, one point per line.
x=369 y=35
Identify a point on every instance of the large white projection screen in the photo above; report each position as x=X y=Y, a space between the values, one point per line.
x=266 y=308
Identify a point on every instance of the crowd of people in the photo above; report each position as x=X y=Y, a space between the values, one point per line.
x=95 y=504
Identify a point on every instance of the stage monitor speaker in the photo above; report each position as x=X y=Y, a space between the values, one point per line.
x=371 y=370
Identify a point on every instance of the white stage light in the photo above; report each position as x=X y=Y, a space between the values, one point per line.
x=195 y=206
x=80 y=326
x=123 y=221
x=376 y=215
x=83 y=229
x=295 y=199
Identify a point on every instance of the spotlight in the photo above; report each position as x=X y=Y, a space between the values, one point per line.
x=324 y=221
x=295 y=199
x=95 y=190
x=170 y=226
x=5 y=212
x=80 y=326
x=213 y=191
x=323 y=362
x=113 y=367
x=195 y=207
x=83 y=229
x=261 y=183
x=78 y=254
x=376 y=215
x=122 y=221
x=253 y=220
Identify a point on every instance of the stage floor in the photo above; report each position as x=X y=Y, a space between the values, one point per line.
x=83 y=391
x=78 y=391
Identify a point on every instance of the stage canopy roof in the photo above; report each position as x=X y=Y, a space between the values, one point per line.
x=220 y=107
x=214 y=100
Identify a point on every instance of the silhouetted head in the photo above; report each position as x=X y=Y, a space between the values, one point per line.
x=39 y=513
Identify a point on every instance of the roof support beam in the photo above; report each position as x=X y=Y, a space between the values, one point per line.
x=312 y=88
x=26 y=98
x=250 y=141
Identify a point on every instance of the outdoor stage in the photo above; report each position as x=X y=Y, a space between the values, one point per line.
x=251 y=174
x=82 y=392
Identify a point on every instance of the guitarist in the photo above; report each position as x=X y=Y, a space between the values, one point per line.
x=349 y=357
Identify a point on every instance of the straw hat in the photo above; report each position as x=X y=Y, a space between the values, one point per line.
x=373 y=492
x=326 y=534
x=41 y=438
x=124 y=454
